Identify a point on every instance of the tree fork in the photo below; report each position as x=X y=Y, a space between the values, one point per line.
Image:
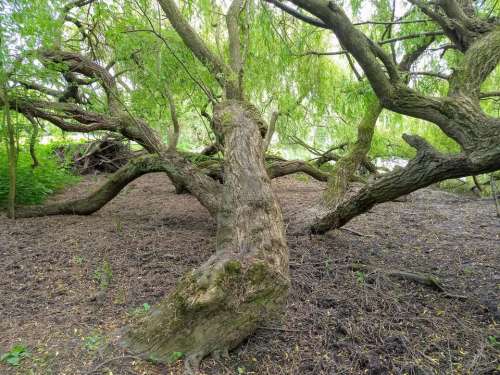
x=215 y=307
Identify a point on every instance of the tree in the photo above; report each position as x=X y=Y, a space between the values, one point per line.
x=459 y=114
x=216 y=306
x=77 y=86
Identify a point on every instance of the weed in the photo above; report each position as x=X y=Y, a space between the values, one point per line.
x=93 y=342
x=302 y=177
x=494 y=341
x=15 y=355
x=360 y=276
x=140 y=311
x=118 y=225
x=78 y=260
x=103 y=275
x=174 y=356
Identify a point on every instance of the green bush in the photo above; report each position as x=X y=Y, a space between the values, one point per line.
x=34 y=185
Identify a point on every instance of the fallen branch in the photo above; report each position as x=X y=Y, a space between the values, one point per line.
x=419 y=278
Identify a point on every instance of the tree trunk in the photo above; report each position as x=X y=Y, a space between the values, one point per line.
x=11 y=154
x=218 y=305
x=345 y=168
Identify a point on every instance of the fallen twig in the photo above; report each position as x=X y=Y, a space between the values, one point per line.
x=355 y=232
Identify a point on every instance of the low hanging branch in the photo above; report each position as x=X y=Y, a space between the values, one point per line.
x=428 y=167
x=102 y=195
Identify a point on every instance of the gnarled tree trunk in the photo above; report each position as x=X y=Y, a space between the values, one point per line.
x=218 y=305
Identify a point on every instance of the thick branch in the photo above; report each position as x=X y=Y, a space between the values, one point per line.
x=236 y=59
x=40 y=88
x=80 y=64
x=479 y=61
x=295 y=13
x=283 y=168
x=102 y=195
x=270 y=130
x=365 y=51
x=192 y=40
x=426 y=168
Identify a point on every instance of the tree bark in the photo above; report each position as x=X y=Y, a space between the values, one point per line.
x=345 y=168
x=218 y=305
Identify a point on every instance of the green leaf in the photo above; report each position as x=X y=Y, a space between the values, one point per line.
x=174 y=356
x=15 y=355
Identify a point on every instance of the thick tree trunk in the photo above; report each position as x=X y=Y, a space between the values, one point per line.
x=345 y=168
x=218 y=305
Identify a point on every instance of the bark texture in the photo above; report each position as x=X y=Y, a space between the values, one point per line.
x=218 y=305
x=458 y=114
x=345 y=168
x=425 y=169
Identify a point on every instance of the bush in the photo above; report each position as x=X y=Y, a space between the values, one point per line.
x=34 y=185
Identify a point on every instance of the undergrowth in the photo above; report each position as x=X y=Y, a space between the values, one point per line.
x=34 y=185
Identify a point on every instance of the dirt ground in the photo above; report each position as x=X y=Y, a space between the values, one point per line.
x=69 y=283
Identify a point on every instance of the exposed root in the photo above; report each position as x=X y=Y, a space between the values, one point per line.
x=419 y=278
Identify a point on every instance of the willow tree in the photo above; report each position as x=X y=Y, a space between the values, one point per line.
x=228 y=75
x=473 y=33
x=216 y=306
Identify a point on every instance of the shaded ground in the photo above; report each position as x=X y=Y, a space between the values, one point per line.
x=55 y=301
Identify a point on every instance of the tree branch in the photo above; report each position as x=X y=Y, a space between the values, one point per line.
x=293 y=12
x=431 y=74
x=216 y=66
x=236 y=59
x=80 y=64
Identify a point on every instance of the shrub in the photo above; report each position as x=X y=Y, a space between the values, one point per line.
x=34 y=185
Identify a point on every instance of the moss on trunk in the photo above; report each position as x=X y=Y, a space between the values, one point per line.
x=345 y=168
x=218 y=305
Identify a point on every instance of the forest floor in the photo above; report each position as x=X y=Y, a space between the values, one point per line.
x=69 y=283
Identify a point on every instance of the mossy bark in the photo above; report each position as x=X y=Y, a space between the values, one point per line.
x=218 y=305
x=345 y=168
x=428 y=167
